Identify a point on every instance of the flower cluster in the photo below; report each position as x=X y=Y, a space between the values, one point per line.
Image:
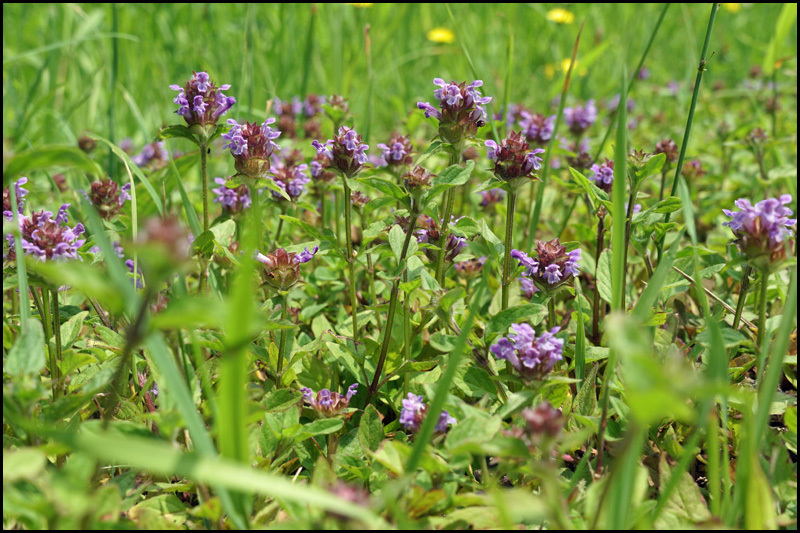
x=345 y=151
x=326 y=402
x=48 y=238
x=358 y=199
x=200 y=101
x=471 y=267
x=693 y=170
x=669 y=148
x=413 y=413
x=533 y=357
x=282 y=268
x=513 y=157
x=289 y=112
x=537 y=128
x=291 y=177
x=233 y=200
x=603 y=175
x=460 y=111
x=108 y=197
x=251 y=146
x=491 y=197
x=761 y=230
x=429 y=232
x=580 y=118
x=8 y=212
x=553 y=265
x=397 y=152
x=153 y=155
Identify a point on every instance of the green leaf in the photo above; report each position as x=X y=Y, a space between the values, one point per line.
x=27 y=356
x=370 y=431
x=281 y=399
x=385 y=186
x=204 y=243
x=177 y=131
x=454 y=175
x=71 y=329
x=46 y=157
x=783 y=27
x=586 y=400
x=604 y=276
x=323 y=426
x=531 y=313
x=686 y=505
x=23 y=463
x=668 y=205
x=596 y=195
x=396 y=238
x=466 y=227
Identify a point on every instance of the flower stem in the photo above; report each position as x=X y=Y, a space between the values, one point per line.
x=284 y=338
x=449 y=201
x=551 y=312
x=744 y=286
x=512 y=199
x=350 y=262
x=57 y=332
x=762 y=322
x=48 y=332
x=596 y=303
x=387 y=330
x=204 y=177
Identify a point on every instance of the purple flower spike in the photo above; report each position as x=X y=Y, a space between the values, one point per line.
x=413 y=414
x=345 y=152
x=252 y=146
x=8 y=211
x=537 y=128
x=580 y=118
x=48 y=238
x=513 y=158
x=328 y=403
x=762 y=231
x=200 y=101
x=531 y=356
x=460 y=112
x=603 y=175
x=282 y=268
x=233 y=200
x=553 y=266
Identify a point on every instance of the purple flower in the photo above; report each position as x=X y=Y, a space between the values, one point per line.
x=614 y=102
x=413 y=414
x=233 y=200
x=108 y=197
x=8 y=212
x=326 y=402
x=537 y=128
x=282 y=268
x=531 y=356
x=48 y=238
x=290 y=177
x=471 y=267
x=345 y=151
x=153 y=155
x=528 y=287
x=397 y=151
x=513 y=157
x=580 y=118
x=762 y=230
x=460 y=112
x=429 y=232
x=491 y=197
x=200 y=101
x=603 y=175
x=251 y=146
x=553 y=265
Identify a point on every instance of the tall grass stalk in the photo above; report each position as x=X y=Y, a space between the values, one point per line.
x=538 y=191
x=350 y=256
x=701 y=68
x=387 y=330
x=634 y=77
x=618 y=253
x=22 y=273
x=449 y=202
x=509 y=243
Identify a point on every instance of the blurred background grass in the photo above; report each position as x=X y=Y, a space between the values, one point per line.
x=58 y=59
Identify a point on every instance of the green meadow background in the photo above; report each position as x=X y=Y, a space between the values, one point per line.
x=61 y=61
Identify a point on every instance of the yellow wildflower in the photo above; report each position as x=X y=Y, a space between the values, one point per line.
x=360 y=5
x=549 y=71
x=560 y=16
x=441 y=35
x=733 y=8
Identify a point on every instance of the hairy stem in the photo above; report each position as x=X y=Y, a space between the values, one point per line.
x=512 y=199
x=350 y=262
x=387 y=330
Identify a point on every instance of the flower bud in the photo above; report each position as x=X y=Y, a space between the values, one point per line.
x=282 y=268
